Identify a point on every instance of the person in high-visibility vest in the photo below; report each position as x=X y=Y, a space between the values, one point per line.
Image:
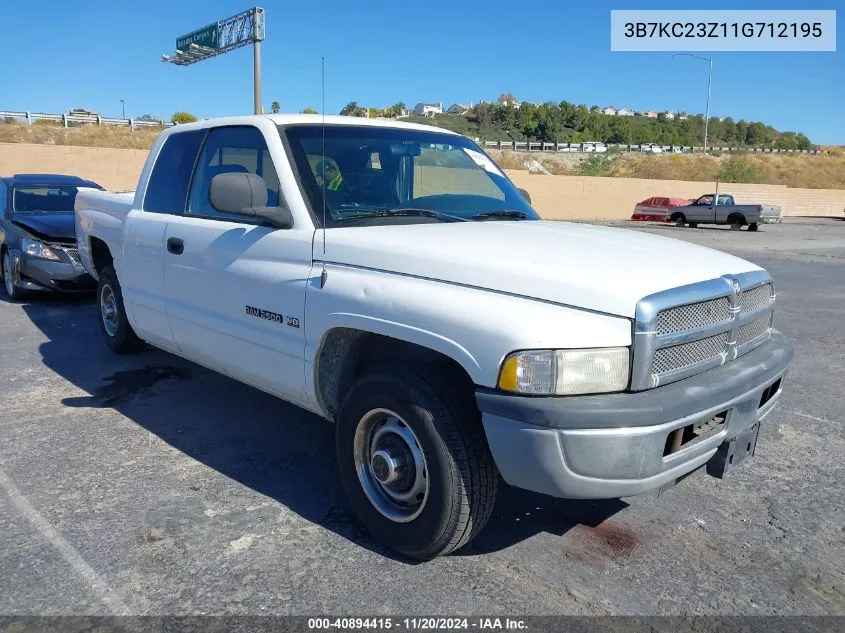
x=330 y=175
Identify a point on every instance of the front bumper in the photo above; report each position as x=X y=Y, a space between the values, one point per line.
x=615 y=445
x=33 y=273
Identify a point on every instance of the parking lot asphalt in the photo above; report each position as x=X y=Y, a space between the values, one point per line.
x=148 y=485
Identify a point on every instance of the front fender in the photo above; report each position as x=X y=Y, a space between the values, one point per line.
x=475 y=327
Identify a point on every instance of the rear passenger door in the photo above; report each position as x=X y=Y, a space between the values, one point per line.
x=235 y=287
x=141 y=265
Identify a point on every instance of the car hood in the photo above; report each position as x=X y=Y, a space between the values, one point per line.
x=586 y=266
x=55 y=227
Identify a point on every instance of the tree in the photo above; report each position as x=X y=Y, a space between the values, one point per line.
x=353 y=109
x=309 y=111
x=506 y=98
x=182 y=117
x=275 y=108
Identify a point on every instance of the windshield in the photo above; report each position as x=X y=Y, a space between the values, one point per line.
x=43 y=199
x=378 y=175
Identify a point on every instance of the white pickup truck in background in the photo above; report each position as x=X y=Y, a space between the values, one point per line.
x=391 y=278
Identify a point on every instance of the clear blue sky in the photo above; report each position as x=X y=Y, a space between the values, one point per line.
x=92 y=54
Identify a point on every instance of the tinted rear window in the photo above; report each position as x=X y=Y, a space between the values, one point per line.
x=167 y=190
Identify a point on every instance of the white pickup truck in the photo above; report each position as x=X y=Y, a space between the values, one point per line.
x=391 y=278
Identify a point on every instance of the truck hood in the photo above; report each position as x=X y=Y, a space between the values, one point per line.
x=50 y=227
x=586 y=266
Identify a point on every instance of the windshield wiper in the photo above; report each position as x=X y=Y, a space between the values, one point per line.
x=518 y=215
x=404 y=212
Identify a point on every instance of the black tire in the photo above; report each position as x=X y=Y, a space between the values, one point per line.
x=693 y=225
x=12 y=291
x=736 y=221
x=461 y=476
x=752 y=227
x=678 y=219
x=122 y=340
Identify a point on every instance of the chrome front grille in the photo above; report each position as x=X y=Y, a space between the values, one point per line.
x=755 y=298
x=676 y=357
x=688 y=330
x=754 y=329
x=694 y=315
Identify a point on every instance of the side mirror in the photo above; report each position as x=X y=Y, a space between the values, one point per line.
x=246 y=194
x=525 y=195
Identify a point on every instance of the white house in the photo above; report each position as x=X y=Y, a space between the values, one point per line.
x=609 y=111
x=459 y=108
x=624 y=112
x=428 y=109
x=669 y=115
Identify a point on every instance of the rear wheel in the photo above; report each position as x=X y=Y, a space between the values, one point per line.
x=678 y=219
x=736 y=221
x=118 y=334
x=752 y=226
x=693 y=225
x=414 y=461
x=12 y=291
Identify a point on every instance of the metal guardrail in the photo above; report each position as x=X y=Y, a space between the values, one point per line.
x=587 y=148
x=72 y=120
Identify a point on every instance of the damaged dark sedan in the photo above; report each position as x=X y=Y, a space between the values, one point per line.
x=37 y=234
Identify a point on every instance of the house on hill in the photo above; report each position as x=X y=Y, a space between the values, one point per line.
x=428 y=109
x=624 y=112
x=459 y=108
x=608 y=110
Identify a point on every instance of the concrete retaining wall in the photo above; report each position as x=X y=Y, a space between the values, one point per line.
x=555 y=197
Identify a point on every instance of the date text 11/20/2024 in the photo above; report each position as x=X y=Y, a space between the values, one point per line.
x=418 y=624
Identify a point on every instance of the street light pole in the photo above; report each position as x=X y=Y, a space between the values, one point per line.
x=123 y=108
x=709 y=84
x=256 y=76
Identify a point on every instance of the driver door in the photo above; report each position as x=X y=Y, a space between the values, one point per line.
x=235 y=287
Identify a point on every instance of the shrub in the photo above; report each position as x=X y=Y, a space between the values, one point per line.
x=596 y=165
x=740 y=169
x=182 y=117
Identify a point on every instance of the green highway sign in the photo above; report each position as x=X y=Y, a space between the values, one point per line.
x=208 y=36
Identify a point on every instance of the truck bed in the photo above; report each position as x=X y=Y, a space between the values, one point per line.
x=100 y=214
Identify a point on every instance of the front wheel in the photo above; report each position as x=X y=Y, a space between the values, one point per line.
x=118 y=334
x=414 y=461
x=752 y=227
x=12 y=291
x=693 y=225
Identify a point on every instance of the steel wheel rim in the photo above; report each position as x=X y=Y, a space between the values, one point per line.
x=391 y=465
x=7 y=274
x=108 y=310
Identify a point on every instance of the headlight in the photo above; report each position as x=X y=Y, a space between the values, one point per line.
x=566 y=372
x=40 y=249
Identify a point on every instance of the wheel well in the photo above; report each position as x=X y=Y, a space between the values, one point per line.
x=100 y=254
x=677 y=216
x=346 y=353
x=736 y=218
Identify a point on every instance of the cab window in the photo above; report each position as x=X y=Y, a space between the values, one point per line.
x=237 y=149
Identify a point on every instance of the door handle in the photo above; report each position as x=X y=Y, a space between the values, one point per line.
x=175 y=245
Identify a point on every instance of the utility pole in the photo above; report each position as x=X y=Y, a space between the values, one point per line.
x=123 y=109
x=709 y=84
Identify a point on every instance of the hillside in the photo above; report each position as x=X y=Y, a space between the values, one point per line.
x=567 y=123
x=794 y=170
